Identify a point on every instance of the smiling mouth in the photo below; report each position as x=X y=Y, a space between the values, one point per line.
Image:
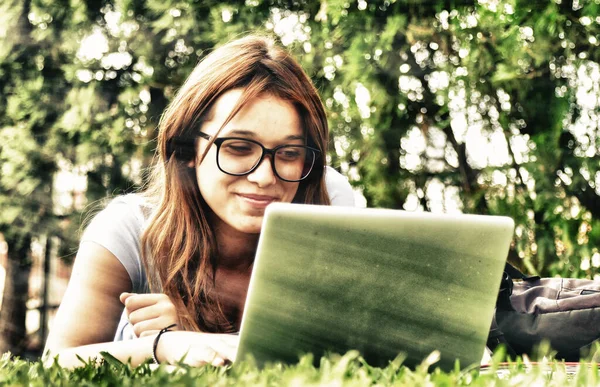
x=257 y=200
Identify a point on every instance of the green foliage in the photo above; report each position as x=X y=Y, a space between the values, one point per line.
x=484 y=107
x=416 y=95
x=445 y=83
x=347 y=370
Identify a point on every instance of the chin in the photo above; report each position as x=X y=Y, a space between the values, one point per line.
x=251 y=227
x=251 y=230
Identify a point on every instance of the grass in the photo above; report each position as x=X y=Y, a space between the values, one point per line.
x=334 y=370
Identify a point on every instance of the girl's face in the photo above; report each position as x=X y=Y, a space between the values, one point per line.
x=239 y=202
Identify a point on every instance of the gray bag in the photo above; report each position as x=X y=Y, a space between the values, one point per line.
x=563 y=311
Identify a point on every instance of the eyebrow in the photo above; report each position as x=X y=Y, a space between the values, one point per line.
x=252 y=134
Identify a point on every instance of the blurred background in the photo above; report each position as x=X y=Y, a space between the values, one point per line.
x=486 y=107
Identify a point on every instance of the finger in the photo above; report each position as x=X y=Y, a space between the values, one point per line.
x=166 y=308
x=149 y=333
x=227 y=353
x=224 y=349
x=146 y=326
x=124 y=296
x=155 y=324
x=162 y=309
x=143 y=314
x=200 y=356
x=137 y=301
x=218 y=361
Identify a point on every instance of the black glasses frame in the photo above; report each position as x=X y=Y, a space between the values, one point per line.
x=265 y=151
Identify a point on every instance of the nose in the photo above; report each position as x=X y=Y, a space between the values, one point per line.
x=263 y=175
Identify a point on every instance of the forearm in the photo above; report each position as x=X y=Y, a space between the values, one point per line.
x=135 y=351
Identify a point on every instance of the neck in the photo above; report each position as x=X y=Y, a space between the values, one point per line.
x=236 y=249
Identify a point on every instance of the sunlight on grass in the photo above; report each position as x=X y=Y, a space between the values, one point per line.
x=334 y=370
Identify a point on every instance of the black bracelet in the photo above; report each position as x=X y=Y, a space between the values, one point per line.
x=167 y=329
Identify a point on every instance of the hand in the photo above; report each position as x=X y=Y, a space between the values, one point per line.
x=197 y=348
x=149 y=313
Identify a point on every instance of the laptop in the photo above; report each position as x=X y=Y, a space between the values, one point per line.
x=383 y=282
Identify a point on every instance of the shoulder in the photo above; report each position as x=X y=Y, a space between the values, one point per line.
x=130 y=205
x=339 y=189
x=118 y=228
x=131 y=209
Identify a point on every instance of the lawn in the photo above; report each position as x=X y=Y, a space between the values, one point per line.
x=334 y=370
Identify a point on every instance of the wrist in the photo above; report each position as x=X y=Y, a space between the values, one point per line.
x=157 y=339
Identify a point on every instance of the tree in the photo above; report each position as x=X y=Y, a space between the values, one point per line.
x=46 y=119
x=486 y=106
x=416 y=90
x=419 y=93
x=27 y=168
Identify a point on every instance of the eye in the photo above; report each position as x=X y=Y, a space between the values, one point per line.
x=240 y=148
x=291 y=153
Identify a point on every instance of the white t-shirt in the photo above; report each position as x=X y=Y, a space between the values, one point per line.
x=119 y=226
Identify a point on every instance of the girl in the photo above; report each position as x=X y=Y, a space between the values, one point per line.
x=246 y=129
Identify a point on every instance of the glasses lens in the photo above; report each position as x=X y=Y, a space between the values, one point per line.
x=238 y=156
x=294 y=162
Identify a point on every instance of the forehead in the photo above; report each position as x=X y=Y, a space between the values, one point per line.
x=264 y=115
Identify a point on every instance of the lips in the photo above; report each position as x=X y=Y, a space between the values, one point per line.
x=257 y=200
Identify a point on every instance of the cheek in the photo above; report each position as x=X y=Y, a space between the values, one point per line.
x=290 y=190
x=210 y=179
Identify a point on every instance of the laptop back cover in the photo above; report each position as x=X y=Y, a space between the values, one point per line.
x=384 y=282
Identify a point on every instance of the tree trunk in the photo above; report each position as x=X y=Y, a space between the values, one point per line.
x=13 y=335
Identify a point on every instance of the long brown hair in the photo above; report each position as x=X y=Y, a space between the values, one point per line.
x=180 y=252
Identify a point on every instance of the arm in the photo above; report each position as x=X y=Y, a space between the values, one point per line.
x=89 y=313
x=90 y=309
x=193 y=348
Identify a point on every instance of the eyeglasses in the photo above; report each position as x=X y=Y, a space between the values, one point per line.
x=238 y=156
